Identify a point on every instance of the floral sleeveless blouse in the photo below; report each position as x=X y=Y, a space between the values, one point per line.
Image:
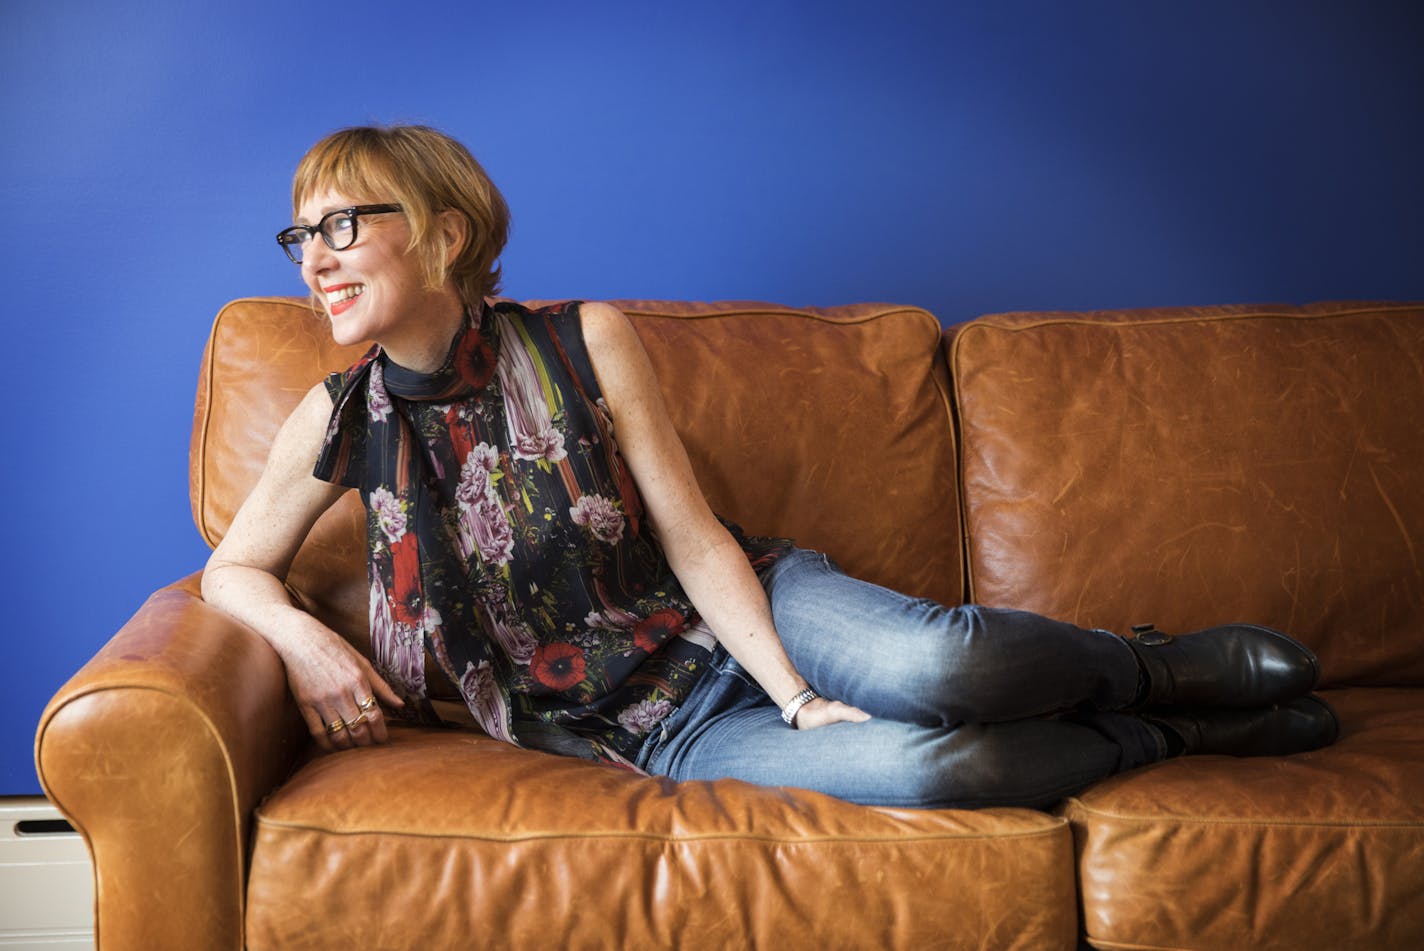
x=506 y=538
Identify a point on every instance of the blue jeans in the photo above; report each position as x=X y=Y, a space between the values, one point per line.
x=970 y=706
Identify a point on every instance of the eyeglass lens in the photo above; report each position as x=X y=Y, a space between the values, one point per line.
x=338 y=229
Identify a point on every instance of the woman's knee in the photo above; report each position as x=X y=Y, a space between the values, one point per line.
x=964 y=666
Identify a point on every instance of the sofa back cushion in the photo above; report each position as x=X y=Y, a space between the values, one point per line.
x=829 y=426
x=1187 y=467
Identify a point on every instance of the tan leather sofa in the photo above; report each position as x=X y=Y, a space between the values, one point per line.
x=1181 y=467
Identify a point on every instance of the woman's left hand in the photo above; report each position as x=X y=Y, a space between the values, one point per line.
x=823 y=712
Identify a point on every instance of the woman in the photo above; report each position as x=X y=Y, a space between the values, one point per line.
x=585 y=600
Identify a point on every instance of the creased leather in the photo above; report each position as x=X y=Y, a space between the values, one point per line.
x=1187 y=467
x=453 y=840
x=158 y=750
x=1318 y=850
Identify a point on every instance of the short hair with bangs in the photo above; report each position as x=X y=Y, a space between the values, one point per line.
x=426 y=172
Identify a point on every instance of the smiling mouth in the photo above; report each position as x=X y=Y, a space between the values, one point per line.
x=340 y=298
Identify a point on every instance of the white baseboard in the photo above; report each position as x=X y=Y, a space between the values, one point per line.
x=46 y=880
x=47 y=941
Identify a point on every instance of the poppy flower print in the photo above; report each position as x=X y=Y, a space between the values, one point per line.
x=658 y=628
x=407 y=605
x=558 y=666
x=474 y=360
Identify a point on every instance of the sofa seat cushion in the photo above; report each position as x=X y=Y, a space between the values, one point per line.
x=1319 y=850
x=447 y=839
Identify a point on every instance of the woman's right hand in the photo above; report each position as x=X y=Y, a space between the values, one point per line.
x=335 y=685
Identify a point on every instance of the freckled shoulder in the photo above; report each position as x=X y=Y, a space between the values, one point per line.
x=605 y=326
x=287 y=500
x=298 y=442
x=616 y=353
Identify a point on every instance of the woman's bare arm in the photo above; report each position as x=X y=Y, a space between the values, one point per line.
x=705 y=557
x=244 y=577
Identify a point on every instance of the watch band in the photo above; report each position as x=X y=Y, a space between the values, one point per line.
x=794 y=705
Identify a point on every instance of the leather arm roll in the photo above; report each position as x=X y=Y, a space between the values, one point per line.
x=158 y=750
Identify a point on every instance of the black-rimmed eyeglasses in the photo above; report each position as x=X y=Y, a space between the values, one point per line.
x=337 y=229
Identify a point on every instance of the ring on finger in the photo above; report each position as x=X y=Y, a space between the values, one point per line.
x=335 y=726
x=353 y=724
x=368 y=704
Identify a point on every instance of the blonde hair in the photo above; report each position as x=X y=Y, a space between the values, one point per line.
x=426 y=172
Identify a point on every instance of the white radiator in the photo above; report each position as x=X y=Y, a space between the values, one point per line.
x=46 y=881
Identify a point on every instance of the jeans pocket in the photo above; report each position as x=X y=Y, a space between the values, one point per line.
x=662 y=734
x=725 y=685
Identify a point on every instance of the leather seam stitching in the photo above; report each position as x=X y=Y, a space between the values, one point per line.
x=927 y=839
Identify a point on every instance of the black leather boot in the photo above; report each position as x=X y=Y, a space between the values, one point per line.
x=1305 y=724
x=1235 y=665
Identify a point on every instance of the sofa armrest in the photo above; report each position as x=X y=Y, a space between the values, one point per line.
x=158 y=750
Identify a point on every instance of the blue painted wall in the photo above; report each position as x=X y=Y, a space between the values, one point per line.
x=967 y=157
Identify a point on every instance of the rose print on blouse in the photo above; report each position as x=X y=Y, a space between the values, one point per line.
x=477 y=474
x=483 y=525
x=611 y=617
x=378 y=402
x=599 y=516
x=642 y=716
x=486 y=701
x=532 y=433
x=489 y=527
x=390 y=514
x=512 y=634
